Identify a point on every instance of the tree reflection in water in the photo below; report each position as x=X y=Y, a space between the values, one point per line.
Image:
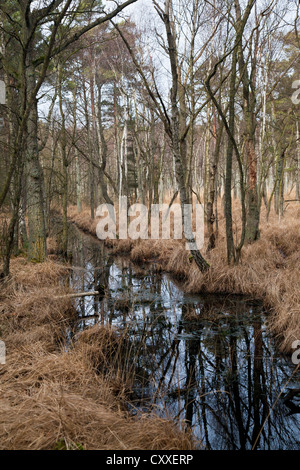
x=206 y=360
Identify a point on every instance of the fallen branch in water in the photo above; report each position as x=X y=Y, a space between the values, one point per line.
x=79 y=294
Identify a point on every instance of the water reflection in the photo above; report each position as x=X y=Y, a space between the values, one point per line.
x=206 y=360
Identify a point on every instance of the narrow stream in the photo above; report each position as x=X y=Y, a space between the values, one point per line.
x=207 y=361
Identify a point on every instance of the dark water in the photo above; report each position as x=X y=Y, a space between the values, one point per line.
x=206 y=361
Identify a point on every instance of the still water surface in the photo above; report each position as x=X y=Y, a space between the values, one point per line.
x=205 y=360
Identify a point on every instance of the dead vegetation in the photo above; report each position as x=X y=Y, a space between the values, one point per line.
x=83 y=219
x=58 y=397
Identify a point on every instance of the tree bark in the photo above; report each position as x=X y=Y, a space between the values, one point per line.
x=248 y=82
x=185 y=199
x=37 y=249
x=65 y=164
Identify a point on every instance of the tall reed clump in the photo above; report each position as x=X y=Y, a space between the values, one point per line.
x=60 y=391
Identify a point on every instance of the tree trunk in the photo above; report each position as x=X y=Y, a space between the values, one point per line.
x=179 y=160
x=10 y=236
x=298 y=163
x=248 y=82
x=103 y=151
x=253 y=206
x=228 y=171
x=211 y=216
x=65 y=164
x=90 y=150
x=37 y=249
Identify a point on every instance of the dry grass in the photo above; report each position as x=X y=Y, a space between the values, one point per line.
x=53 y=397
x=83 y=220
x=59 y=399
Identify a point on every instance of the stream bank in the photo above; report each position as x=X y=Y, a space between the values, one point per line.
x=58 y=392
